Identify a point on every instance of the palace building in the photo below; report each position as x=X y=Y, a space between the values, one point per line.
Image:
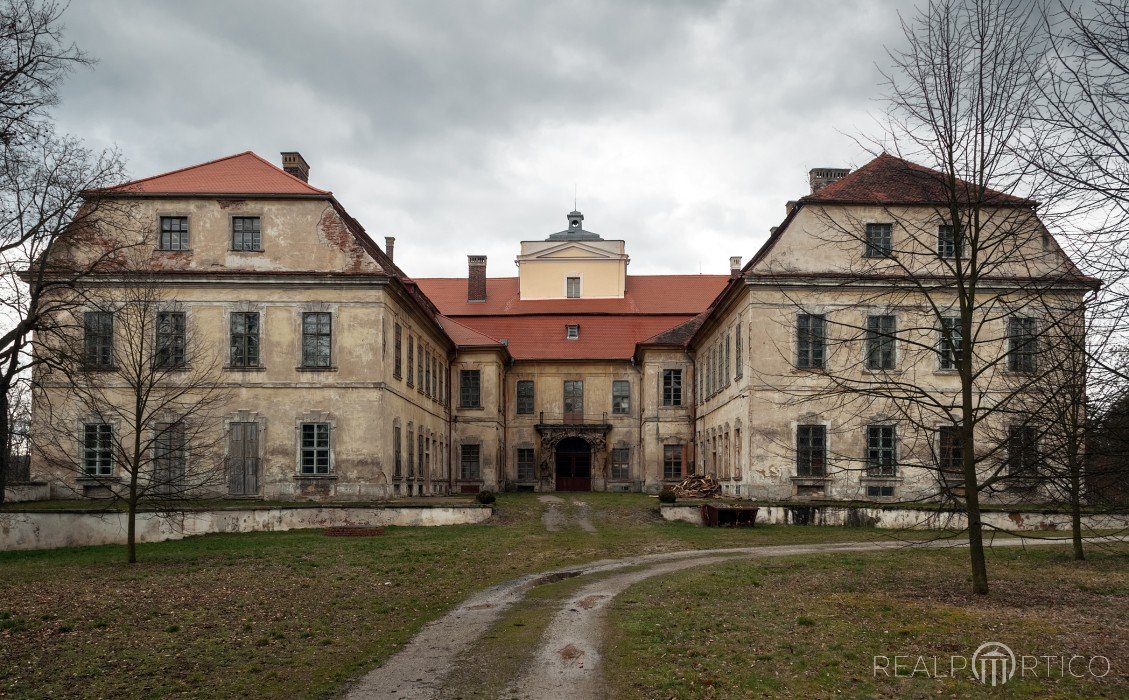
x=346 y=377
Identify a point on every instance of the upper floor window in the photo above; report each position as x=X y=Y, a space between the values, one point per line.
x=621 y=396
x=879 y=241
x=728 y=357
x=949 y=243
x=525 y=396
x=420 y=362
x=411 y=361
x=810 y=341
x=246 y=233
x=880 y=342
x=470 y=388
x=315 y=448
x=98 y=327
x=572 y=331
x=672 y=461
x=174 y=233
x=98 y=449
x=950 y=346
x=811 y=450
x=881 y=451
x=171 y=339
x=737 y=369
x=397 y=348
x=672 y=387
x=572 y=287
x=1022 y=344
x=245 y=339
x=317 y=338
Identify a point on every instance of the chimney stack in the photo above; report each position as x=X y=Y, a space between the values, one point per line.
x=296 y=165
x=822 y=177
x=734 y=265
x=476 y=278
x=389 y=247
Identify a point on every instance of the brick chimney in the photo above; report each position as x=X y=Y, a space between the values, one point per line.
x=389 y=247
x=476 y=278
x=822 y=177
x=296 y=165
x=734 y=265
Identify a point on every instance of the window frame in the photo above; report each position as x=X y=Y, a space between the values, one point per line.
x=672 y=387
x=470 y=469
x=170 y=454
x=397 y=348
x=1022 y=345
x=98 y=458
x=811 y=341
x=98 y=340
x=950 y=343
x=313 y=350
x=241 y=340
x=170 y=346
x=470 y=392
x=621 y=397
x=674 y=462
x=182 y=240
x=525 y=463
x=810 y=450
x=317 y=430
x=881 y=451
x=525 y=403
x=881 y=342
x=881 y=246
x=949 y=245
x=239 y=235
x=569 y=279
x=619 y=468
x=1026 y=462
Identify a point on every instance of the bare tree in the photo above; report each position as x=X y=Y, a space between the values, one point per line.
x=43 y=179
x=130 y=407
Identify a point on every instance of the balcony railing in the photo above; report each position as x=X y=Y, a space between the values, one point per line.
x=573 y=418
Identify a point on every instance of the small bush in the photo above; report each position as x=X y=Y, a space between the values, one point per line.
x=485 y=497
x=667 y=496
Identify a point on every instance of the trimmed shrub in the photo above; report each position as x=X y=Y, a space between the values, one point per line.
x=485 y=497
x=667 y=496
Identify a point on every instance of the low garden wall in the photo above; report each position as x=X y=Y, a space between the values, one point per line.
x=49 y=529
x=899 y=518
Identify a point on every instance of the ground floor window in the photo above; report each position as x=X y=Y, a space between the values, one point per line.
x=525 y=464
x=98 y=449
x=621 y=463
x=811 y=450
x=170 y=452
x=470 y=466
x=881 y=454
x=315 y=448
x=672 y=461
x=950 y=455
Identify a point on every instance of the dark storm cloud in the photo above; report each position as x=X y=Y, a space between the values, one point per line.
x=462 y=127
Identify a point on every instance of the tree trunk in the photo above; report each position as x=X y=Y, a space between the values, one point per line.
x=5 y=444
x=1076 y=513
x=976 y=543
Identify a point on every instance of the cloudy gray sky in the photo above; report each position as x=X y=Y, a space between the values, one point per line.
x=462 y=127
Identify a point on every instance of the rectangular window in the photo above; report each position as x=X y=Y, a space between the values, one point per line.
x=881 y=451
x=727 y=359
x=879 y=491
x=411 y=451
x=879 y=241
x=950 y=345
x=672 y=387
x=245 y=339
x=397 y=452
x=398 y=342
x=470 y=466
x=525 y=397
x=880 y=353
x=419 y=366
x=572 y=331
x=621 y=397
x=950 y=455
x=99 y=339
x=525 y=470
x=470 y=388
x=169 y=457
x=738 y=370
x=411 y=361
x=246 y=233
x=572 y=287
x=171 y=339
x=1023 y=452
x=1022 y=344
x=427 y=374
x=573 y=400
x=315 y=448
x=810 y=341
x=316 y=339
x=949 y=244
x=621 y=463
x=420 y=452
x=811 y=450
x=672 y=461
x=174 y=233
x=98 y=449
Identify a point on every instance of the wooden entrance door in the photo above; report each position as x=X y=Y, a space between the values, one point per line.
x=243 y=459
x=574 y=465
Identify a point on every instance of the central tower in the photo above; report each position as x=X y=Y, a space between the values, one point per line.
x=572 y=264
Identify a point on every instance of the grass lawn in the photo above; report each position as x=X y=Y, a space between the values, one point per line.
x=810 y=627
x=293 y=614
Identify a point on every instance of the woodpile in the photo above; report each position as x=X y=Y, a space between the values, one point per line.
x=698 y=486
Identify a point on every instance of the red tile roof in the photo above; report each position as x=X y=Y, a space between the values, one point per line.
x=463 y=336
x=241 y=174
x=891 y=180
x=645 y=294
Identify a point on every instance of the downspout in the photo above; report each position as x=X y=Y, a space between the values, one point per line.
x=503 y=457
x=450 y=429
x=639 y=371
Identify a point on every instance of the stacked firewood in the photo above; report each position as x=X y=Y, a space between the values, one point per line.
x=698 y=486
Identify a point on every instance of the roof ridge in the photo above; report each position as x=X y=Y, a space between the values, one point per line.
x=131 y=184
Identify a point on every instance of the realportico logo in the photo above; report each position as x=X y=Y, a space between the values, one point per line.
x=993 y=664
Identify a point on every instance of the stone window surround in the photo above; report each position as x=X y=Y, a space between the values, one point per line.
x=314 y=417
x=332 y=308
x=244 y=307
x=80 y=444
x=811 y=419
x=684 y=404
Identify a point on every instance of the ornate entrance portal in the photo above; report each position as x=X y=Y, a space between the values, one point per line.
x=573 y=465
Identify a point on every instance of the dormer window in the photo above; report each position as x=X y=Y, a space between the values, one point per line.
x=572 y=331
x=572 y=287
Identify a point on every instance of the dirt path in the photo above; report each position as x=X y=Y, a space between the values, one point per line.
x=567 y=662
